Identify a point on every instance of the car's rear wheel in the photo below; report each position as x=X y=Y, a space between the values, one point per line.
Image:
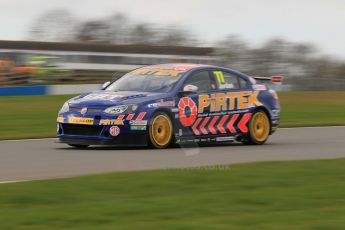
x=259 y=128
x=78 y=146
x=160 y=130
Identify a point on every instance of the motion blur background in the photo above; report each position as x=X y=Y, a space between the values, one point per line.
x=90 y=42
x=51 y=47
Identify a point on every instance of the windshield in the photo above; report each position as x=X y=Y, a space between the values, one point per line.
x=145 y=83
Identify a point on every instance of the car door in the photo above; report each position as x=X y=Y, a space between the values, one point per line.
x=192 y=120
x=233 y=99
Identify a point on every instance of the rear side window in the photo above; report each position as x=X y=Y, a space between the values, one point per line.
x=227 y=80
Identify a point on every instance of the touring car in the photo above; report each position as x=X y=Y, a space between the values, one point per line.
x=168 y=104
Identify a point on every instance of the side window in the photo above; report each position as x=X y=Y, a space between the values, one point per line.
x=226 y=80
x=202 y=80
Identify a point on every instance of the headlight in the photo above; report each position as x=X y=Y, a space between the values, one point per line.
x=64 y=108
x=121 y=109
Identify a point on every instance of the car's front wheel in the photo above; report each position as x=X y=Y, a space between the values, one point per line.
x=259 y=128
x=160 y=130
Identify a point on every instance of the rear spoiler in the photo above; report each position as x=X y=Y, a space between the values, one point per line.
x=278 y=80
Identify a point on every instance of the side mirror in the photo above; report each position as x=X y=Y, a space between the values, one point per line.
x=188 y=89
x=106 y=84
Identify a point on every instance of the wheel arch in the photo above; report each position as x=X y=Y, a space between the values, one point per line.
x=164 y=110
x=265 y=110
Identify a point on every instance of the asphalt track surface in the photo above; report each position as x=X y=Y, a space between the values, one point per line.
x=45 y=158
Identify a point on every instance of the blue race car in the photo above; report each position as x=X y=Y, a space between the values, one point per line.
x=168 y=104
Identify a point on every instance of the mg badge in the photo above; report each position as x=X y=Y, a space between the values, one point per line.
x=83 y=111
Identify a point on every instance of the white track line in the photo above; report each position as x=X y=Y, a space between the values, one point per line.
x=34 y=139
x=12 y=181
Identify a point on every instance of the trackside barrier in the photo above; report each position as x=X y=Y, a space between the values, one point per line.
x=23 y=90
x=48 y=89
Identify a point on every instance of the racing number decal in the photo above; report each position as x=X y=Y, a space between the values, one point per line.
x=184 y=105
x=219 y=76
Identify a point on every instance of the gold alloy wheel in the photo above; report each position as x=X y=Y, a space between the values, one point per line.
x=161 y=130
x=259 y=128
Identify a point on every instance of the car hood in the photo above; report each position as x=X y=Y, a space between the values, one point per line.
x=107 y=98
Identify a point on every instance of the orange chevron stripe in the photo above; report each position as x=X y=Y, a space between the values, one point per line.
x=220 y=125
x=202 y=126
x=130 y=116
x=141 y=116
x=195 y=126
x=242 y=125
x=120 y=117
x=231 y=123
x=211 y=125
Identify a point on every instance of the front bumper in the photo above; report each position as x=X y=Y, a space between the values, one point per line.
x=94 y=129
x=124 y=140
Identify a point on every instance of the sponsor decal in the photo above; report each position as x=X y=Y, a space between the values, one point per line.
x=80 y=120
x=111 y=122
x=219 y=104
x=138 y=122
x=209 y=139
x=60 y=119
x=185 y=105
x=219 y=139
x=83 y=111
x=162 y=104
x=138 y=127
x=114 y=131
x=228 y=101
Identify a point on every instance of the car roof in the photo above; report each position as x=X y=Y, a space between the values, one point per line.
x=186 y=67
x=176 y=66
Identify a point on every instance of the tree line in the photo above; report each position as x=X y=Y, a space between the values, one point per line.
x=302 y=65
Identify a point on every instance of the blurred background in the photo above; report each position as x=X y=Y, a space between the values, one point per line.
x=88 y=42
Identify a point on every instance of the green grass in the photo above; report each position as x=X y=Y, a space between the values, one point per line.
x=269 y=196
x=35 y=116
x=312 y=108
x=29 y=116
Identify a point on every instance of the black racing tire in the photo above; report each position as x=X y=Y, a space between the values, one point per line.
x=160 y=130
x=79 y=146
x=259 y=128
